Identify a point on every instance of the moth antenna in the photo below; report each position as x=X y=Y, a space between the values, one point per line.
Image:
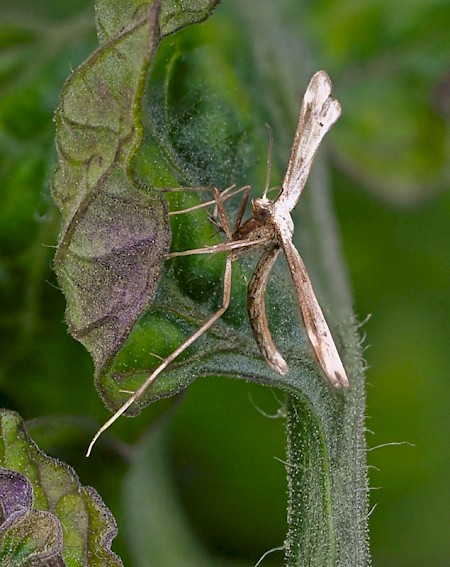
x=269 y=160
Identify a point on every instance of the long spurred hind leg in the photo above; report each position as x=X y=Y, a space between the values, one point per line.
x=149 y=381
x=227 y=193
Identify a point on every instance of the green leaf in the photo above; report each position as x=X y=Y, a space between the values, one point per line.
x=46 y=516
x=114 y=15
x=115 y=233
x=37 y=46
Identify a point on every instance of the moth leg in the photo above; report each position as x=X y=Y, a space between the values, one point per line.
x=153 y=376
x=242 y=208
x=257 y=312
x=225 y=225
x=224 y=195
x=222 y=247
x=227 y=193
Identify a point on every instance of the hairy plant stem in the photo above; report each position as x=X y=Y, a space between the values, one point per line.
x=327 y=487
x=326 y=448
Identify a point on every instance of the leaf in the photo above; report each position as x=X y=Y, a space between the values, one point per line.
x=115 y=231
x=191 y=289
x=27 y=537
x=115 y=234
x=46 y=516
x=114 y=15
x=36 y=46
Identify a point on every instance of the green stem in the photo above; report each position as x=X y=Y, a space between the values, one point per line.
x=326 y=449
x=327 y=486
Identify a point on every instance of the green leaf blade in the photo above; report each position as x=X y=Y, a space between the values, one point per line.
x=112 y=264
x=47 y=514
x=115 y=232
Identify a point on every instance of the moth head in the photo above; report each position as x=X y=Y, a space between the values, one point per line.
x=262 y=208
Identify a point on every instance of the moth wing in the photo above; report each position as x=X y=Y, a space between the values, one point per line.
x=319 y=111
x=315 y=324
x=257 y=312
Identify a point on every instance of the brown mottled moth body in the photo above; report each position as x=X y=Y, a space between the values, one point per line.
x=270 y=229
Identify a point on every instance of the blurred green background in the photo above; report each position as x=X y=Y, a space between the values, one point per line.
x=205 y=484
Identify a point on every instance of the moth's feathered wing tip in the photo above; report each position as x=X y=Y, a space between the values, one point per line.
x=334 y=369
x=343 y=381
x=319 y=92
x=322 y=77
x=320 y=83
x=336 y=109
x=339 y=379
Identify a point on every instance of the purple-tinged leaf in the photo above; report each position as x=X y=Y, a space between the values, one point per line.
x=115 y=231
